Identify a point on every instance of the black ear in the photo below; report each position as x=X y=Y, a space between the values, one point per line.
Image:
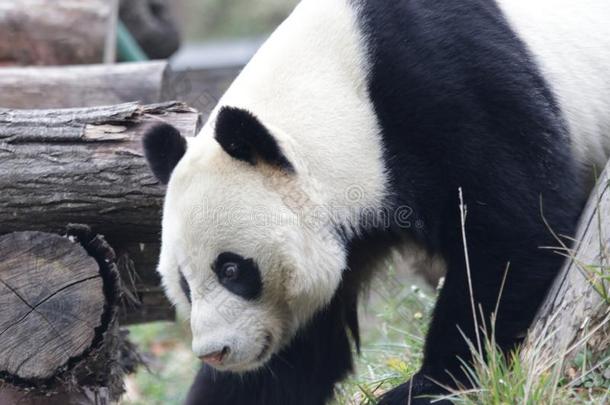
x=163 y=148
x=244 y=137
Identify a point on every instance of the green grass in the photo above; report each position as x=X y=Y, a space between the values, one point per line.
x=537 y=375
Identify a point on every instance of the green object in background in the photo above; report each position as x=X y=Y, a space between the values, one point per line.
x=128 y=49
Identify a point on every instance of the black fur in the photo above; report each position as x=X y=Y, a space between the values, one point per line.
x=247 y=281
x=304 y=373
x=461 y=104
x=163 y=148
x=245 y=138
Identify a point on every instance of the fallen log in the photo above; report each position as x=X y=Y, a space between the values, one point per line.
x=48 y=32
x=87 y=166
x=83 y=86
x=83 y=166
x=578 y=303
x=59 y=337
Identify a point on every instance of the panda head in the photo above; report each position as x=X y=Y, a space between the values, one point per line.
x=238 y=252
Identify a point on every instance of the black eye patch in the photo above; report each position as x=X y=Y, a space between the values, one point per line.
x=239 y=275
x=184 y=285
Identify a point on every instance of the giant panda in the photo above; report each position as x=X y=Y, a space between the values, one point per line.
x=353 y=114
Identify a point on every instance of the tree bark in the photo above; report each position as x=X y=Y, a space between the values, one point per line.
x=48 y=32
x=59 y=336
x=52 y=296
x=87 y=166
x=576 y=304
x=83 y=86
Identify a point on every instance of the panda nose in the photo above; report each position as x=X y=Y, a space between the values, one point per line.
x=215 y=358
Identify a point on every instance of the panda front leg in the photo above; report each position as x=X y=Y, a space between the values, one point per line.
x=530 y=274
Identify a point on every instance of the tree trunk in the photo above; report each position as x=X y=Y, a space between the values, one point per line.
x=51 y=32
x=59 y=337
x=87 y=166
x=576 y=304
x=83 y=86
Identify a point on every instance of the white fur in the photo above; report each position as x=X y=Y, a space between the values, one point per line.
x=570 y=41
x=307 y=84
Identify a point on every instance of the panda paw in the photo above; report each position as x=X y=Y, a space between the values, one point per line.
x=417 y=391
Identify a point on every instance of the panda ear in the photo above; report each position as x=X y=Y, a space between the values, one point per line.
x=244 y=137
x=163 y=148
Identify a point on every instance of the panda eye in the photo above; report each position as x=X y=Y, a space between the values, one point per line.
x=229 y=271
x=239 y=275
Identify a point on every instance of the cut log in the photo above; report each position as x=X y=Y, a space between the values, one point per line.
x=48 y=32
x=87 y=166
x=575 y=304
x=59 y=337
x=52 y=299
x=83 y=86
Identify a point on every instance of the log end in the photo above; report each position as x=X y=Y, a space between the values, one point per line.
x=59 y=301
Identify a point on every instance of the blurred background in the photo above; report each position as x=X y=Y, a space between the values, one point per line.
x=224 y=31
x=208 y=20
x=218 y=33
